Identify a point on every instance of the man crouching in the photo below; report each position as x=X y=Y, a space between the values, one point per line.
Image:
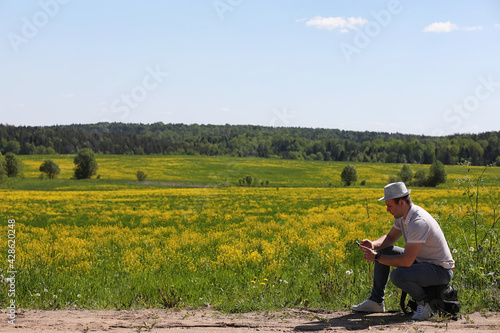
x=425 y=261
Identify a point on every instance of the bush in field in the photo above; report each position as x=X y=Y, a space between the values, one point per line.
x=420 y=178
x=405 y=174
x=437 y=174
x=50 y=168
x=85 y=164
x=141 y=175
x=252 y=181
x=12 y=165
x=349 y=175
x=2 y=166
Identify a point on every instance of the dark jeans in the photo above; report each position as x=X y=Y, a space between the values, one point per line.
x=410 y=279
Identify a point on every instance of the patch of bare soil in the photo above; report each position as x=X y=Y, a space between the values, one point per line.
x=208 y=320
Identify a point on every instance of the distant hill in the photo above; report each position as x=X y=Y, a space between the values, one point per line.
x=249 y=140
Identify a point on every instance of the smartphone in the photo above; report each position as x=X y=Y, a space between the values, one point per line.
x=360 y=245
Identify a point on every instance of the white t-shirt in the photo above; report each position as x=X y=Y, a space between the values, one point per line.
x=420 y=227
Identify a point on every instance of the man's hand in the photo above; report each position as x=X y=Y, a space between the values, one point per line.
x=368 y=254
x=367 y=243
x=367 y=247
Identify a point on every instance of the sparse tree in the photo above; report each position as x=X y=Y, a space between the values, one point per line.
x=141 y=175
x=85 y=164
x=405 y=174
x=349 y=175
x=12 y=147
x=50 y=168
x=2 y=166
x=12 y=165
x=437 y=174
x=420 y=178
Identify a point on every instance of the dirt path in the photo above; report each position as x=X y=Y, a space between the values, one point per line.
x=207 y=320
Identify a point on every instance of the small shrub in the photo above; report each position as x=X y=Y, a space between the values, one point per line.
x=349 y=175
x=12 y=165
x=50 y=168
x=85 y=164
x=405 y=174
x=141 y=175
x=437 y=174
x=420 y=178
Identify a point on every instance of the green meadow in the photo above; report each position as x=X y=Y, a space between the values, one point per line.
x=190 y=236
x=225 y=171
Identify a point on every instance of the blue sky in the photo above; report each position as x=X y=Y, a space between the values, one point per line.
x=419 y=67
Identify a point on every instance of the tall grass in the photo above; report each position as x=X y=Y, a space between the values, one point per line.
x=474 y=235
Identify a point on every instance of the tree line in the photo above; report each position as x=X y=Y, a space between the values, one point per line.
x=435 y=176
x=248 y=140
x=85 y=166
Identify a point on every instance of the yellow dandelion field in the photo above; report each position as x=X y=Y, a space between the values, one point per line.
x=94 y=242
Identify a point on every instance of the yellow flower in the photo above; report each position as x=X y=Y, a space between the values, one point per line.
x=262 y=283
x=252 y=281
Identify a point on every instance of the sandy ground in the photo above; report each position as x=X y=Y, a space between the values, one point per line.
x=208 y=320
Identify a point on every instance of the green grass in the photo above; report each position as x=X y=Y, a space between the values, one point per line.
x=227 y=218
x=119 y=170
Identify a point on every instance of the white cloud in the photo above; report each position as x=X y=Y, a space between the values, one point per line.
x=340 y=23
x=20 y=105
x=476 y=28
x=497 y=25
x=441 y=27
x=68 y=95
x=225 y=110
x=301 y=20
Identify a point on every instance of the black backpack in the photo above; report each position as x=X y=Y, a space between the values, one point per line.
x=443 y=300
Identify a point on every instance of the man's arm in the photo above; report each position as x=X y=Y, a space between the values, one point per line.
x=388 y=239
x=405 y=260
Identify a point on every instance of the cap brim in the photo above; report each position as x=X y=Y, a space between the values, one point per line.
x=395 y=197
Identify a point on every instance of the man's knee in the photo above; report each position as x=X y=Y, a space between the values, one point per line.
x=399 y=276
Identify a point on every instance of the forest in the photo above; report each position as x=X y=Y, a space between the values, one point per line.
x=249 y=140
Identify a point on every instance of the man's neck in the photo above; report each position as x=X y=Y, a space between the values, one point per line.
x=406 y=212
